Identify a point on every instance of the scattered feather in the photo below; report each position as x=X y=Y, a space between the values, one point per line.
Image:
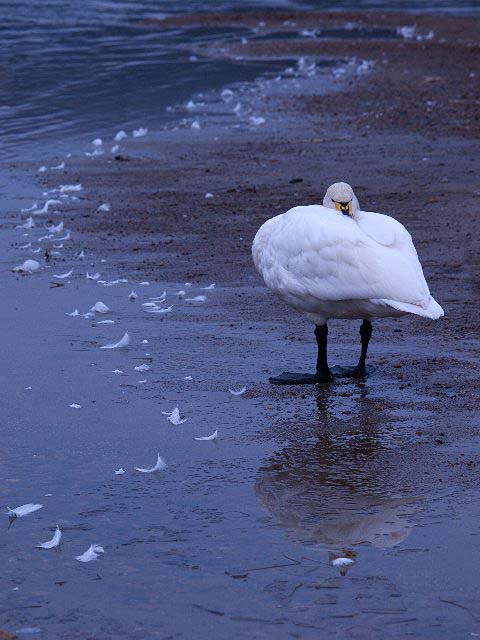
x=181 y=293
x=100 y=307
x=144 y=341
x=56 y=228
x=132 y=295
x=104 y=207
x=89 y=315
x=58 y=246
x=91 y=553
x=141 y=382
x=62 y=276
x=115 y=148
x=214 y=436
x=144 y=283
x=124 y=342
x=196 y=299
x=188 y=378
x=160 y=311
x=188 y=284
x=95 y=276
x=174 y=416
x=74 y=313
x=256 y=120
x=97 y=142
x=149 y=305
x=195 y=124
x=75 y=406
x=81 y=254
x=106 y=322
x=65 y=237
x=59 y=166
x=120 y=136
x=67 y=188
x=28 y=224
x=29 y=266
x=209 y=196
x=42 y=169
x=26 y=246
x=342 y=562
x=238 y=393
x=138 y=133
x=54 y=542
x=159 y=466
x=142 y=367
x=117 y=371
x=23 y=510
x=209 y=288
x=119 y=472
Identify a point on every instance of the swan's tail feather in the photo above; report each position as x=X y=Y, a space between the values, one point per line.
x=433 y=311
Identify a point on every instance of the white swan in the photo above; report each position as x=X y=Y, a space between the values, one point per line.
x=336 y=261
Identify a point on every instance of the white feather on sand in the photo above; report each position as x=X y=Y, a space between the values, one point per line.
x=42 y=169
x=115 y=148
x=208 y=196
x=209 y=288
x=28 y=224
x=100 y=307
x=132 y=295
x=81 y=254
x=104 y=207
x=120 y=135
x=74 y=405
x=28 y=209
x=188 y=378
x=117 y=371
x=29 y=266
x=97 y=142
x=74 y=313
x=59 y=166
x=63 y=276
x=142 y=367
x=46 y=206
x=159 y=466
x=214 y=436
x=95 y=276
x=91 y=553
x=158 y=310
x=23 y=510
x=195 y=124
x=124 y=342
x=196 y=299
x=238 y=393
x=342 y=562
x=138 y=133
x=119 y=472
x=106 y=322
x=66 y=237
x=174 y=416
x=56 y=228
x=54 y=542
x=26 y=246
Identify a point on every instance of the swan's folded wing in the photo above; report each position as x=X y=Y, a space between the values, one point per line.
x=311 y=253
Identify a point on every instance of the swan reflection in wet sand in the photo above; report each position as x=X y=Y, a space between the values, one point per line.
x=336 y=493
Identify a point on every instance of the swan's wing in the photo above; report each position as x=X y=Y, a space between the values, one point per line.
x=312 y=253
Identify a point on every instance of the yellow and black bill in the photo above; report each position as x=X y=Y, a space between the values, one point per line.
x=344 y=207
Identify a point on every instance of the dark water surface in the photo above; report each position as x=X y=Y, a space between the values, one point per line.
x=71 y=71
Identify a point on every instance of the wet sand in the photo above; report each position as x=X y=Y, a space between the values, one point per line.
x=236 y=537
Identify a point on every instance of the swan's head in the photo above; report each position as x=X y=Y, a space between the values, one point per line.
x=340 y=196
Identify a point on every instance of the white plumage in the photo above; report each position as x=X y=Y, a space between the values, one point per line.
x=336 y=261
x=330 y=265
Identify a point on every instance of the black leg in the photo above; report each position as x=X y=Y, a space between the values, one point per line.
x=360 y=371
x=323 y=372
x=365 y=335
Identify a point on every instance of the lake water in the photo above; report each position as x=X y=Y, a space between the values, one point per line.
x=72 y=70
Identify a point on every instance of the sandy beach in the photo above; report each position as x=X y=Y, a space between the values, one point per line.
x=235 y=538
